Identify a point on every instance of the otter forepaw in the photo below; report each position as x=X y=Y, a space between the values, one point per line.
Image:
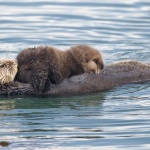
x=40 y=82
x=47 y=86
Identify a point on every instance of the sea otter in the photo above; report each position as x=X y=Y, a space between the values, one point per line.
x=8 y=70
x=113 y=75
x=40 y=66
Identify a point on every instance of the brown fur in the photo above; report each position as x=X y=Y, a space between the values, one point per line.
x=88 y=58
x=8 y=70
x=41 y=66
x=113 y=75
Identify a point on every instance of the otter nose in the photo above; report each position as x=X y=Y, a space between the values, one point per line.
x=97 y=71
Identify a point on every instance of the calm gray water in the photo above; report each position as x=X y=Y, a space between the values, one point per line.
x=117 y=119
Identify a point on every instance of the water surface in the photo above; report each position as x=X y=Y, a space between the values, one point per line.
x=115 y=119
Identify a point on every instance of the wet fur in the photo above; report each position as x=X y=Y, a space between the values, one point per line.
x=8 y=70
x=115 y=74
x=43 y=65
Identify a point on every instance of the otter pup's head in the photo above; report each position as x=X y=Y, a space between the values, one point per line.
x=88 y=58
x=8 y=70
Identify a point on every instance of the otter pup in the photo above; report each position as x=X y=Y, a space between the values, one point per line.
x=8 y=70
x=40 y=66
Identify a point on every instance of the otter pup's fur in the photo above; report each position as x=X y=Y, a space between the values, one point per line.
x=8 y=70
x=43 y=65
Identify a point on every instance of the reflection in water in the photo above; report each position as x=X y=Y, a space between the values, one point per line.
x=115 y=119
x=49 y=118
x=51 y=102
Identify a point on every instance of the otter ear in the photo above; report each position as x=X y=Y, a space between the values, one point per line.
x=85 y=62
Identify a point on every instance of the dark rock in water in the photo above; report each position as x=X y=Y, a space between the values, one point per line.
x=4 y=143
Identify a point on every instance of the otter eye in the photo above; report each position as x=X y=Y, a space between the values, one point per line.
x=95 y=60
x=86 y=60
x=101 y=65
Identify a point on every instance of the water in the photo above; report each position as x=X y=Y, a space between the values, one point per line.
x=115 y=119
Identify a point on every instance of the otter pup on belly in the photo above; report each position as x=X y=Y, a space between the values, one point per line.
x=43 y=65
x=8 y=70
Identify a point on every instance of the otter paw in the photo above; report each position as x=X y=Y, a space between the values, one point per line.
x=40 y=82
x=46 y=86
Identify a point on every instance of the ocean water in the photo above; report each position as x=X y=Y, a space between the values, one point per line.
x=117 y=119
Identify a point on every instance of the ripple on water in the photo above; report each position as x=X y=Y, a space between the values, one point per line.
x=115 y=119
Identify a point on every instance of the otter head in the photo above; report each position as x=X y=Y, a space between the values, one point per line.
x=91 y=66
x=8 y=70
x=88 y=58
